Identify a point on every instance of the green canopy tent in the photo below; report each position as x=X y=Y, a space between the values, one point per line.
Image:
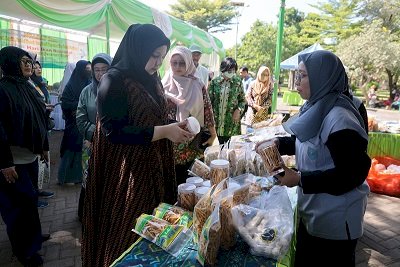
x=107 y=19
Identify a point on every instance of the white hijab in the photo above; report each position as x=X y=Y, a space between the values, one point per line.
x=186 y=90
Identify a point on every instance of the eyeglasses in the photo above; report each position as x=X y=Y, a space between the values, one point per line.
x=178 y=64
x=27 y=62
x=298 y=76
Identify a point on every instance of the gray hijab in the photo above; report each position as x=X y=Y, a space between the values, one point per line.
x=327 y=84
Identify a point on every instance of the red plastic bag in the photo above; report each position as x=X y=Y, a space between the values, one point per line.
x=384 y=183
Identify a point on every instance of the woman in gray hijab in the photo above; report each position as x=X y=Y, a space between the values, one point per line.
x=330 y=144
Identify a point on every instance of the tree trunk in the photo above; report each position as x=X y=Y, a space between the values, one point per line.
x=391 y=91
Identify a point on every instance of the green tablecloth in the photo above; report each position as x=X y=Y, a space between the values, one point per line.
x=384 y=144
x=145 y=253
x=292 y=98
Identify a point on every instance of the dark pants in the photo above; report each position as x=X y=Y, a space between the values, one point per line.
x=314 y=251
x=19 y=212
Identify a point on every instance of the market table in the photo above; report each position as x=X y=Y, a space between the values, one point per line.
x=384 y=144
x=292 y=98
x=145 y=253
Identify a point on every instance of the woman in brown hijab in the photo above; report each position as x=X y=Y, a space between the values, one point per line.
x=259 y=96
x=132 y=168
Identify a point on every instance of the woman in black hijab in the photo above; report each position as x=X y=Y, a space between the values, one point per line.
x=131 y=169
x=70 y=170
x=23 y=136
x=41 y=82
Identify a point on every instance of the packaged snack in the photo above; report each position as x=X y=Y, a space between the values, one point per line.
x=199 y=192
x=171 y=238
x=186 y=196
x=219 y=171
x=272 y=159
x=206 y=183
x=173 y=214
x=209 y=240
x=197 y=181
x=200 y=169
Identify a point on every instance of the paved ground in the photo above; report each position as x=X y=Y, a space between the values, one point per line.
x=380 y=245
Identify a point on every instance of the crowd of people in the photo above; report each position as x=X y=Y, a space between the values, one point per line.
x=126 y=140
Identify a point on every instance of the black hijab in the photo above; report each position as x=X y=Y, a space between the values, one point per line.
x=139 y=42
x=38 y=80
x=23 y=115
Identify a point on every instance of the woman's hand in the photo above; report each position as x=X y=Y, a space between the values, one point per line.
x=10 y=174
x=291 y=177
x=176 y=132
x=210 y=140
x=236 y=116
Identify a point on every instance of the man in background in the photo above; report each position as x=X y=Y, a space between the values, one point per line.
x=246 y=78
x=201 y=71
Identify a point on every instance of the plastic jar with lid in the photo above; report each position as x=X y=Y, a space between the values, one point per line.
x=199 y=192
x=270 y=156
x=197 y=181
x=219 y=171
x=186 y=196
x=206 y=183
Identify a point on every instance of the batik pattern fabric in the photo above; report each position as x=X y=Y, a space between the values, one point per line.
x=226 y=96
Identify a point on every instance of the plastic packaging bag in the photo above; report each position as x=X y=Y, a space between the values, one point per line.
x=382 y=181
x=209 y=240
x=199 y=169
x=268 y=231
x=173 y=214
x=171 y=238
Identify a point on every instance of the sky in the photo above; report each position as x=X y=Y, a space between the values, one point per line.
x=264 y=10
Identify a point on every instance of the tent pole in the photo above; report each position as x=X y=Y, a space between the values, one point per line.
x=278 y=52
x=108 y=31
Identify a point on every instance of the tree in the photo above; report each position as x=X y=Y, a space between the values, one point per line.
x=208 y=15
x=257 y=47
x=387 y=13
x=371 y=53
x=339 y=18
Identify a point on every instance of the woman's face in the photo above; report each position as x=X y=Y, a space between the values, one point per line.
x=26 y=65
x=99 y=70
x=38 y=70
x=264 y=76
x=302 y=83
x=178 y=65
x=156 y=60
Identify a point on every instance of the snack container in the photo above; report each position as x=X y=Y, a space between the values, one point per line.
x=206 y=183
x=197 y=181
x=186 y=196
x=272 y=159
x=193 y=125
x=199 y=192
x=219 y=171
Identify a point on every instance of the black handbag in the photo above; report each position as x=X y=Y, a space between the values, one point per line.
x=199 y=139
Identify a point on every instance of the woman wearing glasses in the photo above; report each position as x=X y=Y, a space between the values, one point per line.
x=23 y=136
x=187 y=96
x=228 y=100
x=330 y=144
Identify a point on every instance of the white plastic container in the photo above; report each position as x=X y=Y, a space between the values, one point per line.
x=197 y=181
x=193 y=125
x=206 y=183
x=199 y=193
x=219 y=171
x=186 y=196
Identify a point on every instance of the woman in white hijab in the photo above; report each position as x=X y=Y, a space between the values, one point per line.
x=187 y=96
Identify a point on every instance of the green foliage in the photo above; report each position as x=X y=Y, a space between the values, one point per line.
x=211 y=16
x=387 y=12
x=339 y=19
x=257 y=47
x=372 y=53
